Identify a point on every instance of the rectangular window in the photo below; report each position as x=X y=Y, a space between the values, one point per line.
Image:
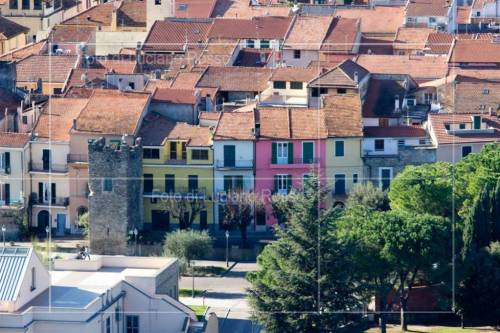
x=279 y=84
x=296 y=54
x=108 y=325
x=339 y=148
x=184 y=151
x=307 y=152
x=282 y=183
x=57 y=91
x=37 y=4
x=148 y=183
x=385 y=177
x=282 y=152
x=296 y=85
x=432 y=20
x=250 y=43
x=203 y=220
x=477 y=122
x=401 y=142
x=25 y=120
x=151 y=153
x=169 y=183
x=26 y=4
x=264 y=44
x=192 y=183
x=341 y=91
x=173 y=150
x=199 y=154
x=461 y=126
x=339 y=184
x=132 y=324
x=379 y=145
x=229 y=155
x=160 y=220
x=466 y=150
x=13 y=4
x=157 y=2
x=107 y=185
x=355 y=178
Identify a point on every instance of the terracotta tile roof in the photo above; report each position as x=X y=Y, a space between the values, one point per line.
x=174 y=96
x=241 y=9
x=48 y=68
x=196 y=136
x=467 y=51
x=439 y=43
x=154 y=129
x=470 y=95
x=132 y=14
x=172 y=34
x=265 y=27
x=210 y=115
x=113 y=112
x=9 y=29
x=186 y=80
x=63 y=33
x=395 y=132
x=13 y=140
x=437 y=124
x=194 y=8
x=283 y=123
x=375 y=20
x=19 y=54
x=99 y=15
x=418 y=67
x=294 y=74
x=342 y=75
x=235 y=126
x=235 y=78
x=376 y=45
x=217 y=53
x=116 y=66
x=427 y=7
x=411 y=38
x=343 y=116
x=95 y=78
x=491 y=74
x=308 y=32
x=56 y=118
x=342 y=35
x=463 y=14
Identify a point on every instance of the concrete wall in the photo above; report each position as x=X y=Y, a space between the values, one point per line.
x=178 y=112
x=110 y=42
x=306 y=56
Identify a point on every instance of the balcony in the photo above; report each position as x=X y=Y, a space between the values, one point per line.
x=78 y=158
x=236 y=164
x=180 y=192
x=35 y=199
x=48 y=167
x=299 y=162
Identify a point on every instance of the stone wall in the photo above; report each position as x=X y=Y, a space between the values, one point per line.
x=407 y=155
x=113 y=213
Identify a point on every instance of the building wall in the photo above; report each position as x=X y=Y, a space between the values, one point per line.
x=452 y=153
x=17 y=176
x=178 y=112
x=13 y=43
x=306 y=56
x=265 y=171
x=48 y=88
x=110 y=42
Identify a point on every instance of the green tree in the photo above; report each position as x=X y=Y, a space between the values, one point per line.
x=422 y=189
x=369 y=196
x=304 y=280
x=390 y=250
x=282 y=206
x=188 y=245
x=83 y=222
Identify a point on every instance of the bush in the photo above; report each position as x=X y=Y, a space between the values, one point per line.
x=368 y=196
x=188 y=245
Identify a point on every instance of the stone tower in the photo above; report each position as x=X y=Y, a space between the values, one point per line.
x=115 y=201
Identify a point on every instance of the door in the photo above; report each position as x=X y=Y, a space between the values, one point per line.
x=61 y=224
x=173 y=150
x=169 y=183
x=229 y=156
x=192 y=183
x=203 y=220
x=339 y=184
x=46 y=159
x=148 y=183
x=160 y=220
x=385 y=178
x=307 y=152
x=43 y=219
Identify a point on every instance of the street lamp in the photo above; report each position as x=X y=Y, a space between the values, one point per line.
x=3 y=234
x=135 y=232
x=227 y=248
x=47 y=231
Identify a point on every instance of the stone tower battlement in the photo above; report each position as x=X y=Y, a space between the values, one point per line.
x=115 y=200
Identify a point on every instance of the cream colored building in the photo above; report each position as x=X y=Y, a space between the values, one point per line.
x=12 y=35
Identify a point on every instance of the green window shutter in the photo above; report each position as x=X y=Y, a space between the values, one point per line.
x=339 y=148
x=290 y=153
x=7 y=194
x=477 y=122
x=274 y=153
x=239 y=182
x=7 y=162
x=307 y=152
x=276 y=182
x=288 y=183
x=227 y=183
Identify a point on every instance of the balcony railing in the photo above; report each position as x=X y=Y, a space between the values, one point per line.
x=35 y=199
x=44 y=167
x=236 y=164
x=295 y=161
x=78 y=158
x=180 y=192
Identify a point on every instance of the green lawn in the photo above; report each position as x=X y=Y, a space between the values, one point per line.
x=188 y=292
x=205 y=271
x=199 y=310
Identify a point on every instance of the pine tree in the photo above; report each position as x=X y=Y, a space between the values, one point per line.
x=304 y=280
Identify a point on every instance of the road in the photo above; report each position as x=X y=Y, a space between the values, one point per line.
x=226 y=296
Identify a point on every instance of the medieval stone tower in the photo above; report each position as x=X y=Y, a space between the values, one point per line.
x=115 y=201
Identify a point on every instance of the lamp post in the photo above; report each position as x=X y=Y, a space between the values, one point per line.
x=47 y=231
x=136 y=232
x=227 y=248
x=3 y=234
